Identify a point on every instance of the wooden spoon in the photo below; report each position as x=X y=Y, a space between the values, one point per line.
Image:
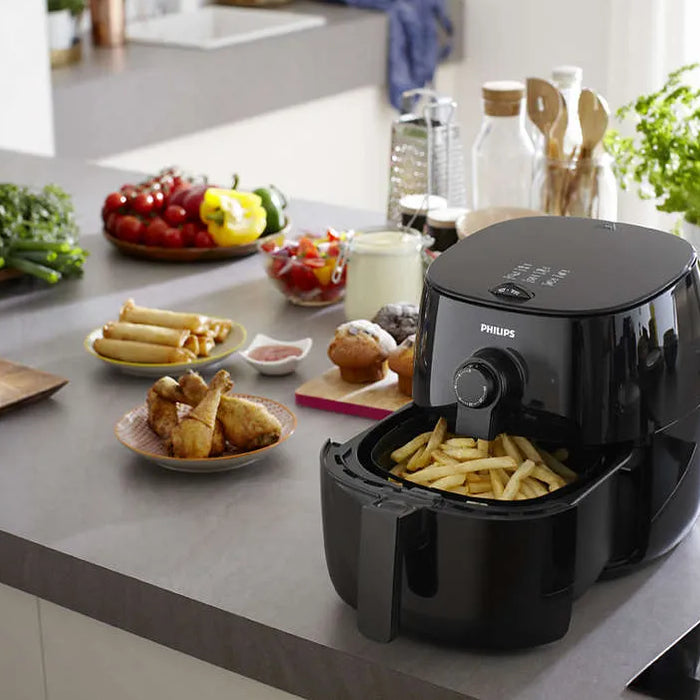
x=555 y=144
x=593 y=113
x=542 y=104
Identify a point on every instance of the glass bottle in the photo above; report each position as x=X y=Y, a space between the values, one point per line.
x=502 y=155
x=568 y=80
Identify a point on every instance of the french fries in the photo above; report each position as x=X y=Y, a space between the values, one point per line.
x=508 y=468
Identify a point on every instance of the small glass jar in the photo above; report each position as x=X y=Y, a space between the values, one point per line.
x=503 y=154
x=581 y=187
x=415 y=207
x=384 y=266
x=441 y=226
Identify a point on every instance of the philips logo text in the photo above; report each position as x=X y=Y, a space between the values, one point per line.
x=497 y=330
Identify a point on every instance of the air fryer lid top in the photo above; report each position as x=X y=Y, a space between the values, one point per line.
x=563 y=266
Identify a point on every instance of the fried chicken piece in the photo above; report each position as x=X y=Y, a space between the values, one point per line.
x=162 y=414
x=192 y=436
x=247 y=425
x=218 y=440
x=169 y=389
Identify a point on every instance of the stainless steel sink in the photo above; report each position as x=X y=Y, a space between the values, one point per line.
x=213 y=26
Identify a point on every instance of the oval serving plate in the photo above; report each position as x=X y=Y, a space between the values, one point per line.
x=221 y=351
x=147 y=252
x=133 y=432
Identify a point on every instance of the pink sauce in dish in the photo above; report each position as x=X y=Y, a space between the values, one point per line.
x=273 y=353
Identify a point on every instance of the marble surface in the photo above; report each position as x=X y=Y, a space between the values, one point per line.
x=229 y=567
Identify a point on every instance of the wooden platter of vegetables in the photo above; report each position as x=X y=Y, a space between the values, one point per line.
x=176 y=218
x=38 y=234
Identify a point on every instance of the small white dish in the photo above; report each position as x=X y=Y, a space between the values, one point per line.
x=286 y=365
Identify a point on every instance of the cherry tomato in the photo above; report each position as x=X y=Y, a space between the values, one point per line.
x=203 y=239
x=189 y=232
x=172 y=238
x=174 y=214
x=111 y=222
x=130 y=229
x=143 y=203
x=302 y=278
x=153 y=235
x=114 y=201
x=158 y=200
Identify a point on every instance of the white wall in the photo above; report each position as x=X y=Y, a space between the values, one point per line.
x=26 y=114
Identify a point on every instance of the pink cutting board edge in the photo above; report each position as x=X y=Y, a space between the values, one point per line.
x=351 y=409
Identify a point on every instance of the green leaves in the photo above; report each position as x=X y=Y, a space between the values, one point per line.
x=663 y=155
x=38 y=233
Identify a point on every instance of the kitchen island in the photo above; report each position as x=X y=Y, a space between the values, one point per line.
x=229 y=568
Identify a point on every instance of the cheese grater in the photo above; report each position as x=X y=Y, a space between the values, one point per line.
x=426 y=151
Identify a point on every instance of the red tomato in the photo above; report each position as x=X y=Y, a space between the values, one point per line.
x=114 y=200
x=172 y=238
x=158 y=200
x=153 y=235
x=111 y=222
x=333 y=250
x=143 y=203
x=203 y=239
x=189 y=232
x=178 y=194
x=174 y=214
x=307 y=249
x=192 y=201
x=302 y=278
x=130 y=229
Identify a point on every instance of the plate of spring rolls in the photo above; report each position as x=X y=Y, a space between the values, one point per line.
x=190 y=425
x=148 y=341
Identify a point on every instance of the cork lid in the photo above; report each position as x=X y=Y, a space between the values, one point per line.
x=502 y=98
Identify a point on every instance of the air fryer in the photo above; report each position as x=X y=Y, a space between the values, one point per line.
x=571 y=332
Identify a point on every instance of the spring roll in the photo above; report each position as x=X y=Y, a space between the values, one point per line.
x=221 y=327
x=147 y=353
x=160 y=335
x=197 y=323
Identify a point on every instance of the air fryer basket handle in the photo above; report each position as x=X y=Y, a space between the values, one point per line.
x=379 y=568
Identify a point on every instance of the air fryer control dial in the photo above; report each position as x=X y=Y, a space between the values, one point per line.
x=475 y=384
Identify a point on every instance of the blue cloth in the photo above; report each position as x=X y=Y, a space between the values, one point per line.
x=415 y=47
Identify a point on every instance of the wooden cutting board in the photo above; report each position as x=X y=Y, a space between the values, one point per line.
x=20 y=384
x=330 y=393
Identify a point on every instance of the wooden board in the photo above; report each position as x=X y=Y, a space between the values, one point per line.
x=330 y=393
x=20 y=384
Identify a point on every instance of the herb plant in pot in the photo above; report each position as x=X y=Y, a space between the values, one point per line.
x=63 y=17
x=663 y=155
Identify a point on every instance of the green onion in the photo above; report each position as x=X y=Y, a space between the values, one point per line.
x=29 y=244
x=35 y=269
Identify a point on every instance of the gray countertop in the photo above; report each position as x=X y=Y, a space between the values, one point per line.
x=230 y=567
x=120 y=99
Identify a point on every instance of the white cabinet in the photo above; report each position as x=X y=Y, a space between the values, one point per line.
x=21 y=668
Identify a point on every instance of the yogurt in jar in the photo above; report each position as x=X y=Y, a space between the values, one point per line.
x=384 y=266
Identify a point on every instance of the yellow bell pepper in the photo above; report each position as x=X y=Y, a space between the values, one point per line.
x=232 y=217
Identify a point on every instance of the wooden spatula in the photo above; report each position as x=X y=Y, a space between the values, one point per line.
x=542 y=104
x=555 y=144
x=593 y=113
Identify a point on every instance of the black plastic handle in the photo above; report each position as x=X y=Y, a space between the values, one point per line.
x=382 y=530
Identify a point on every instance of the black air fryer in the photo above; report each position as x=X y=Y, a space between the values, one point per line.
x=571 y=332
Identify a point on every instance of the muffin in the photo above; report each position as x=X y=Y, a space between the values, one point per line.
x=401 y=362
x=399 y=320
x=360 y=349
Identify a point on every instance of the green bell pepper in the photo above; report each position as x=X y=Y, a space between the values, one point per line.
x=274 y=203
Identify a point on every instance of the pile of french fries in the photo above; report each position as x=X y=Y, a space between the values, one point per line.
x=508 y=468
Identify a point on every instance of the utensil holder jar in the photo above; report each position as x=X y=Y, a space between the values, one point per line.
x=584 y=187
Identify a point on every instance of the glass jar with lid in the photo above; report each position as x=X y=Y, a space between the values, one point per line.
x=385 y=265
x=503 y=153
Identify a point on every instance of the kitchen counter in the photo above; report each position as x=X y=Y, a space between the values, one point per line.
x=120 y=99
x=229 y=567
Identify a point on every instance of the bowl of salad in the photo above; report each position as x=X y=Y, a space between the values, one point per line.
x=303 y=268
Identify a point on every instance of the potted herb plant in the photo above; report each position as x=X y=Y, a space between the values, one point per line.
x=663 y=155
x=63 y=17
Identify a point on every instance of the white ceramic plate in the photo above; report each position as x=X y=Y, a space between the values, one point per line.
x=279 y=367
x=133 y=432
x=220 y=352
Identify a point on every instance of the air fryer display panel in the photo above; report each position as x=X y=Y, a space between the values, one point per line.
x=562 y=266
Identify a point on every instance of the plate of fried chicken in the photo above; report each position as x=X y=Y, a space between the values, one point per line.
x=189 y=425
